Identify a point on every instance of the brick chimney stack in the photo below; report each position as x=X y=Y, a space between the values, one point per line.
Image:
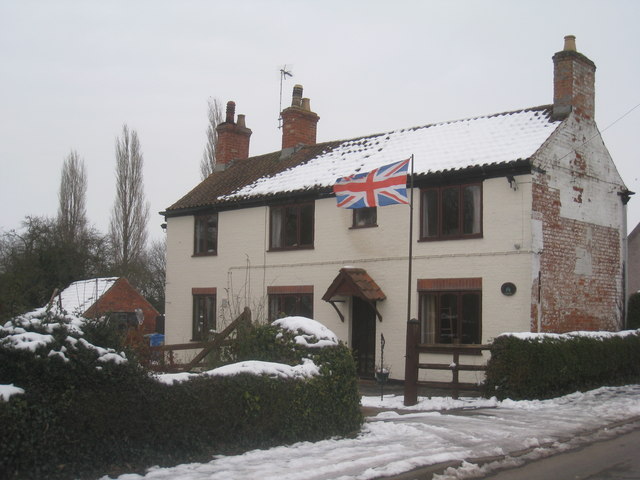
x=299 y=123
x=573 y=82
x=233 y=139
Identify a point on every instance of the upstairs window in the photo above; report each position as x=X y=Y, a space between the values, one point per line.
x=206 y=235
x=291 y=226
x=450 y=212
x=365 y=217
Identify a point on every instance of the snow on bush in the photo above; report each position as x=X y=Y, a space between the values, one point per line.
x=310 y=333
x=6 y=391
x=307 y=333
x=600 y=335
x=57 y=336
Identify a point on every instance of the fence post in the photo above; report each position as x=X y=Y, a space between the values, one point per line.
x=455 y=380
x=411 y=363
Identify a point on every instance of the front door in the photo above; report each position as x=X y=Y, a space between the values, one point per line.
x=363 y=337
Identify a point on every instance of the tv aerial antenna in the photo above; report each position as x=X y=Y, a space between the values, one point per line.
x=284 y=73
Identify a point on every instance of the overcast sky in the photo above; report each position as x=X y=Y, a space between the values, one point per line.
x=73 y=72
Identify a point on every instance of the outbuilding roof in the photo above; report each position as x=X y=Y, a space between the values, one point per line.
x=442 y=147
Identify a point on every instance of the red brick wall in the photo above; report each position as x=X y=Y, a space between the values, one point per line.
x=580 y=271
x=298 y=126
x=233 y=143
x=122 y=297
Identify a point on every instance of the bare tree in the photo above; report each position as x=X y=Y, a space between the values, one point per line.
x=72 y=212
x=208 y=161
x=128 y=227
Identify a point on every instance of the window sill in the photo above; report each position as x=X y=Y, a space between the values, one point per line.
x=208 y=254
x=290 y=249
x=443 y=239
x=359 y=227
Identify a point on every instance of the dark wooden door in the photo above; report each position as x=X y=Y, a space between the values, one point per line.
x=363 y=337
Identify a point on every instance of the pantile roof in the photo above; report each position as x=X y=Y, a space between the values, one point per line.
x=441 y=147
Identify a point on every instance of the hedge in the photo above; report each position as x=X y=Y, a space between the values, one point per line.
x=538 y=366
x=76 y=421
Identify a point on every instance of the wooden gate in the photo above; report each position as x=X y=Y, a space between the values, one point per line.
x=166 y=352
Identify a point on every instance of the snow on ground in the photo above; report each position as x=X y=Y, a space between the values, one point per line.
x=398 y=439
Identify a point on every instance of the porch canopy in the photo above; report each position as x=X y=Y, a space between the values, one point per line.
x=354 y=282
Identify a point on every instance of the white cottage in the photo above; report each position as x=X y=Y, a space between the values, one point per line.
x=518 y=226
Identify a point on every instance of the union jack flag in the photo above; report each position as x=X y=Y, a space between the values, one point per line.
x=386 y=185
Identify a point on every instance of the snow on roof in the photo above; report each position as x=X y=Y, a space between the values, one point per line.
x=444 y=146
x=79 y=296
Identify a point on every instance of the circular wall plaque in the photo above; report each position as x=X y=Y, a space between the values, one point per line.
x=508 y=289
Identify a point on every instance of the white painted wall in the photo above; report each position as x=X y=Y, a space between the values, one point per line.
x=243 y=269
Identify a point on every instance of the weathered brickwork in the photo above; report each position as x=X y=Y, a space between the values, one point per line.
x=579 y=285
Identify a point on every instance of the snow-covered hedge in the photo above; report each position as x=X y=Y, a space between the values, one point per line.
x=70 y=408
x=545 y=365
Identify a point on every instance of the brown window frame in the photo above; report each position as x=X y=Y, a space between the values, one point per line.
x=300 y=294
x=440 y=213
x=361 y=222
x=200 y=331
x=198 y=219
x=283 y=243
x=458 y=288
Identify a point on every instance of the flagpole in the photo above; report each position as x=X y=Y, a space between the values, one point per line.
x=410 y=243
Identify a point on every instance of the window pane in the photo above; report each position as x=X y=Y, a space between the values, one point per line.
x=470 y=318
x=283 y=305
x=448 y=328
x=204 y=320
x=306 y=306
x=206 y=234
x=430 y=213
x=201 y=228
x=428 y=320
x=276 y=227
x=450 y=211
x=471 y=209
x=291 y=227
x=306 y=224
x=365 y=217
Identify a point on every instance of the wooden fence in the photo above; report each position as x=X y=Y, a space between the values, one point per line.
x=413 y=365
x=167 y=361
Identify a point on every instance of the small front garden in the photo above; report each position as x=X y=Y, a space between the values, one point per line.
x=76 y=409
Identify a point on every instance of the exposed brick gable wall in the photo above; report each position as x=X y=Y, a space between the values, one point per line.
x=580 y=274
x=122 y=297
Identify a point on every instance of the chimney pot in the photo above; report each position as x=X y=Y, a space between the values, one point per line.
x=233 y=139
x=299 y=123
x=296 y=99
x=570 y=43
x=231 y=112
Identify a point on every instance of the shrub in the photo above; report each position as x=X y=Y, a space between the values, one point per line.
x=548 y=365
x=633 y=313
x=82 y=415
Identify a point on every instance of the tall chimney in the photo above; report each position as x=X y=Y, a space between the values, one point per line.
x=233 y=139
x=573 y=82
x=299 y=123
